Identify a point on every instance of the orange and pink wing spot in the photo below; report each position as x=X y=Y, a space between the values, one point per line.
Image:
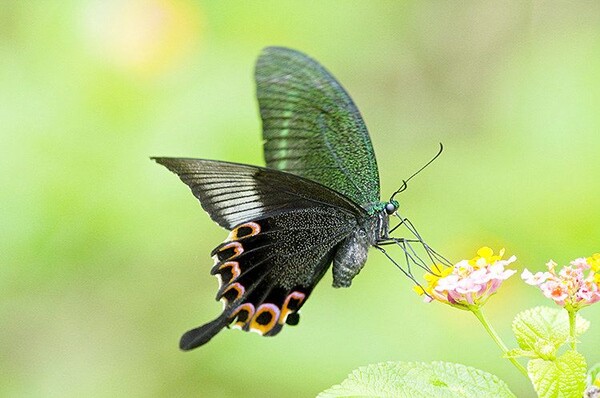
x=233 y=292
x=243 y=231
x=264 y=319
x=228 y=251
x=242 y=315
x=292 y=303
x=227 y=272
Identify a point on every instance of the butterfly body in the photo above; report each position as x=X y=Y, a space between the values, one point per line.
x=351 y=254
x=315 y=204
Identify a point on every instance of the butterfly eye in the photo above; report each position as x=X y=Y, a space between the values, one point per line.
x=390 y=208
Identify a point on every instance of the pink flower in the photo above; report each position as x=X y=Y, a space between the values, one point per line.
x=588 y=292
x=469 y=282
x=580 y=263
x=570 y=287
x=535 y=279
x=555 y=290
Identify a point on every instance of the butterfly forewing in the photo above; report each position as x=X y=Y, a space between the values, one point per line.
x=234 y=193
x=312 y=128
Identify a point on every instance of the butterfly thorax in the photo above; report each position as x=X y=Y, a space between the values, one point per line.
x=351 y=254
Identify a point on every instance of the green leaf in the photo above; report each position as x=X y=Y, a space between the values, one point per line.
x=419 y=380
x=562 y=378
x=543 y=330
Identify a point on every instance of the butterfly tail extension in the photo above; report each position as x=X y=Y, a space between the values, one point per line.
x=201 y=335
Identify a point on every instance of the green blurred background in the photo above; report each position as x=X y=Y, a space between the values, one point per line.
x=104 y=255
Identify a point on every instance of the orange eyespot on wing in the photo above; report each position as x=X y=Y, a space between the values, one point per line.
x=232 y=293
x=291 y=304
x=244 y=231
x=228 y=251
x=227 y=272
x=264 y=319
x=242 y=315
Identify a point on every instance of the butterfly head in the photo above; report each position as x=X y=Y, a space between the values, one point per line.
x=391 y=206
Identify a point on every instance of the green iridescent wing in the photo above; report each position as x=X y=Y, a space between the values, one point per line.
x=312 y=128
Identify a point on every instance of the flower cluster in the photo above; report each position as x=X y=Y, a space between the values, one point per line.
x=570 y=287
x=469 y=282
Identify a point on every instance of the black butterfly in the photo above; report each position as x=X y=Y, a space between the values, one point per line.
x=316 y=203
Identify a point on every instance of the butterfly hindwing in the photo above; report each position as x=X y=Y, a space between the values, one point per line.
x=267 y=268
x=284 y=231
x=311 y=127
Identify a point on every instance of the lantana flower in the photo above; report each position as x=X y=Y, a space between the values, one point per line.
x=570 y=287
x=468 y=283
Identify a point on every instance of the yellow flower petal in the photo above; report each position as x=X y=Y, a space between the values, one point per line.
x=485 y=252
x=594 y=262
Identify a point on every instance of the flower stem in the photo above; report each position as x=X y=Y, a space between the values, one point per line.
x=572 y=315
x=479 y=314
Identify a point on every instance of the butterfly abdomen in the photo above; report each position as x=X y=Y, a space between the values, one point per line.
x=351 y=254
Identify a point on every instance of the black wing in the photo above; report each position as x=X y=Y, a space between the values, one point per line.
x=284 y=232
x=233 y=193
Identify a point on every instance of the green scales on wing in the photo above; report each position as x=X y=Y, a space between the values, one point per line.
x=312 y=128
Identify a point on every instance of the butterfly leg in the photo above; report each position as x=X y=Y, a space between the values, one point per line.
x=410 y=254
x=408 y=259
x=434 y=256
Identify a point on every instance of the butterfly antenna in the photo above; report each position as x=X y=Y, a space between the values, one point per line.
x=405 y=182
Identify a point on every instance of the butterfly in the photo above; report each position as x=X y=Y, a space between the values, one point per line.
x=316 y=203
